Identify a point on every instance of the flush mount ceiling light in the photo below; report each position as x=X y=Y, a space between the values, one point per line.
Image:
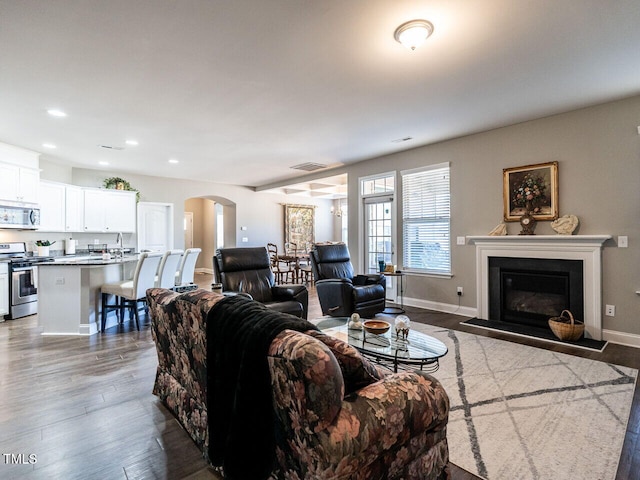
x=412 y=34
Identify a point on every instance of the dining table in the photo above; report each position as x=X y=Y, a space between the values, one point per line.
x=295 y=259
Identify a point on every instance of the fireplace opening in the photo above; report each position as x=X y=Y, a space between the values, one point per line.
x=529 y=291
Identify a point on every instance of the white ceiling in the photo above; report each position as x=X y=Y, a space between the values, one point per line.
x=240 y=91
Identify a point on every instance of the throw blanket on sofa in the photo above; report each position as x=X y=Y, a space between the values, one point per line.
x=240 y=406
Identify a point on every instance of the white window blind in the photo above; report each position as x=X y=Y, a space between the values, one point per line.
x=426 y=216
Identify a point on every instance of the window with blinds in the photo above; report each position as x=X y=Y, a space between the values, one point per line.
x=426 y=218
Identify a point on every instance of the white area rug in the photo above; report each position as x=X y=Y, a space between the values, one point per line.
x=520 y=412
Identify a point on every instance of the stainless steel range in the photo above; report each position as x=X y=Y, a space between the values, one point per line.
x=23 y=279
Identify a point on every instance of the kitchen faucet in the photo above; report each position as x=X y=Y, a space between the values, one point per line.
x=119 y=241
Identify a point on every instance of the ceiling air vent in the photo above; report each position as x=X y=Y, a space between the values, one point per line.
x=309 y=166
x=110 y=147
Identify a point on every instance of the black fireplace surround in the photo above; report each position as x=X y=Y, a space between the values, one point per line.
x=529 y=291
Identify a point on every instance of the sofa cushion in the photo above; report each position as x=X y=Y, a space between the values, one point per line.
x=357 y=371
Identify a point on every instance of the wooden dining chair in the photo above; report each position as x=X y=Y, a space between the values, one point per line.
x=282 y=270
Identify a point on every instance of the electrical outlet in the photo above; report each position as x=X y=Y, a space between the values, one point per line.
x=623 y=241
x=460 y=291
x=610 y=310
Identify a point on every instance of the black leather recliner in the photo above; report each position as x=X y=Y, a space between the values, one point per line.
x=340 y=291
x=247 y=270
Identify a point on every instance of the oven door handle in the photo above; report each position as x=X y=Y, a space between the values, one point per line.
x=21 y=269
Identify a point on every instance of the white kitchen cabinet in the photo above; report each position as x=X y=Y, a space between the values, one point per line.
x=18 y=184
x=4 y=290
x=109 y=210
x=74 y=209
x=52 y=207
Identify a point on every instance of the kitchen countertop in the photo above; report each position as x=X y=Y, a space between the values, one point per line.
x=88 y=260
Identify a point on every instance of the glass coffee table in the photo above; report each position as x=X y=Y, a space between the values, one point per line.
x=418 y=351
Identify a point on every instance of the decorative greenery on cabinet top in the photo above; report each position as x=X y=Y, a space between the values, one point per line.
x=117 y=183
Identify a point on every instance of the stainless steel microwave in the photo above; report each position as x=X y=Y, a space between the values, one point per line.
x=24 y=218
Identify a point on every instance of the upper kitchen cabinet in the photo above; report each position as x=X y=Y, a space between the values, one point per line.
x=108 y=210
x=74 y=209
x=19 y=184
x=52 y=207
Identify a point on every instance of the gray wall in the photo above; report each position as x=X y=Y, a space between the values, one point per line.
x=597 y=149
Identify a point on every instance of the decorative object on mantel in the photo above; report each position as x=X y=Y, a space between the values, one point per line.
x=565 y=225
x=499 y=231
x=527 y=222
x=531 y=189
x=118 y=183
x=565 y=327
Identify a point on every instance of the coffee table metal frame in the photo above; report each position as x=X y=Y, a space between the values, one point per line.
x=417 y=352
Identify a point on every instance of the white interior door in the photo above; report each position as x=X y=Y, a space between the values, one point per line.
x=155 y=226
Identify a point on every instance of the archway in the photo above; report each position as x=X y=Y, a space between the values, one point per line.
x=211 y=214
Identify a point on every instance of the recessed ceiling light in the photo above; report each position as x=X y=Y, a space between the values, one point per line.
x=54 y=112
x=133 y=143
x=49 y=145
x=103 y=163
x=173 y=160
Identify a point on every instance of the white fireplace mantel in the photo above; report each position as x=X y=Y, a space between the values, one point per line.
x=587 y=248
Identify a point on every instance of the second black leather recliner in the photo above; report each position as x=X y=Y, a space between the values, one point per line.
x=247 y=270
x=340 y=291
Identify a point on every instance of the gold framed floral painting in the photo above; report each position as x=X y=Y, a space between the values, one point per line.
x=532 y=188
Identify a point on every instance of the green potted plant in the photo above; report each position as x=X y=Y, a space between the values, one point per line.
x=43 y=247
x=118 y=183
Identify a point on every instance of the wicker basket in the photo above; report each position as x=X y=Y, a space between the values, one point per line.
x=565 y=327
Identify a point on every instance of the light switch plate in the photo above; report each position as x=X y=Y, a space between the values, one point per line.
x=461 y=240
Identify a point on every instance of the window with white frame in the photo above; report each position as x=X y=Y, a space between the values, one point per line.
x=426 y=219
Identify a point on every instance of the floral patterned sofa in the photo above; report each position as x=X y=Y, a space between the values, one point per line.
x=338 y=416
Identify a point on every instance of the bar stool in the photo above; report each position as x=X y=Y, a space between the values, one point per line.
x=129 y=292
x=187 y=268
x=166 y=277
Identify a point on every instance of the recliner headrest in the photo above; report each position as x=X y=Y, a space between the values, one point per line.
x=239 y=259
x=332 y=253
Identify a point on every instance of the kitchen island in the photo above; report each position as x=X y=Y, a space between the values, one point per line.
x=69 y=292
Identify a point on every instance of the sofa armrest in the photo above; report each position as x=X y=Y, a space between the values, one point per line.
x=389 y=412
x=370 y=279
x=230 y=293
x=287 y=292
x=335 y=296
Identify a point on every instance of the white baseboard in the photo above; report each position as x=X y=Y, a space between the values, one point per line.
x=441 y=307
x=621 y=338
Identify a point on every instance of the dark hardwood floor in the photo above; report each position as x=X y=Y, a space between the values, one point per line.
x=82 y=408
